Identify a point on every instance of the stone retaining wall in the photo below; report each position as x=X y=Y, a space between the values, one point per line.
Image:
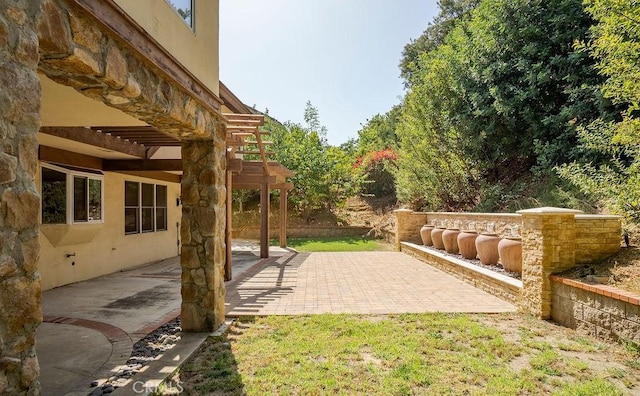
x=303 y=232
x=479 y=222
x=597 y=237
x=553 y=240
x=599 y=310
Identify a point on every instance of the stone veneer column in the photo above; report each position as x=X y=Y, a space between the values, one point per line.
x=408 y=224
x=548 y=246
x=203 y=232
x=402 y=229
x=20 y=292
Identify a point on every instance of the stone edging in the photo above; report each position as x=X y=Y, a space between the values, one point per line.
x=153 y=326
x=604 y=290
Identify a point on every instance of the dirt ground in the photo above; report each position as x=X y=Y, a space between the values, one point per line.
x=621 y=270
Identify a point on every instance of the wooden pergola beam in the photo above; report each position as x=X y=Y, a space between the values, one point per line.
x=249 y=119
x=156 y=175
x=235 y=127
x=275 y=168
x=253 y=179
x=64 y=157
x=96 y=139
x=167 y=165
x=257 y=186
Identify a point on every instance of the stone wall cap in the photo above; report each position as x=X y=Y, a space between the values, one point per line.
x=597 y=217
x=403 y=211
x=473 y=214
x=549 y=210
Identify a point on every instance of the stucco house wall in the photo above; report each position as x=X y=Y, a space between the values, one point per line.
x=104 y=248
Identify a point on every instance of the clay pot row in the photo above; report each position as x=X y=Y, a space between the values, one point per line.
x=489 y=248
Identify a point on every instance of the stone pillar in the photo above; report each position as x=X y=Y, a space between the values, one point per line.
x=203 y=232
x=402 y=218
x=408 y=224
x=548 y=247
x=20 y=292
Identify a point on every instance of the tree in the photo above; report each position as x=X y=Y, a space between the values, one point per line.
x=323 y=174
x=525 y=87
x=379 y=132
x=433 y=172
x=452 y=12
x=615 y=46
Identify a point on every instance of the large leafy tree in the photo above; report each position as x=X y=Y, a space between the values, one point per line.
x=452 y=12
x=525 y=88
x=615 y=46
x=433 y=172
x=498 y=99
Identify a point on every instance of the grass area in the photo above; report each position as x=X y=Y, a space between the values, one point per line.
x=341 y=244
x=407 y=354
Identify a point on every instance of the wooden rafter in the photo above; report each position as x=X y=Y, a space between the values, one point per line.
x=97 y=139
x=145 y=135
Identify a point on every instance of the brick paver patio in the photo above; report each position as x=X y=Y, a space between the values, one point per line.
x=358 y=282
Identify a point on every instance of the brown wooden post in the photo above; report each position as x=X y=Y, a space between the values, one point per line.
x=283 y=217
x=264 y=220
x=228 y=274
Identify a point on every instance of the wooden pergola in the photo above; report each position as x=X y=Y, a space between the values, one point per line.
x=244 y=137
x=140 y=143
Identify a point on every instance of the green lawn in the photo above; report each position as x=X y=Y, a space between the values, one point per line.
x=407 y=354
x=343 y=244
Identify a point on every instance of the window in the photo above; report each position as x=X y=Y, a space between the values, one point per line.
x=184 y=8
x=131 y=207
x=71 y=196
x=161 y=207
x=145 y=207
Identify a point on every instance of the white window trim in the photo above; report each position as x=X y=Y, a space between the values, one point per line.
x=69 y=174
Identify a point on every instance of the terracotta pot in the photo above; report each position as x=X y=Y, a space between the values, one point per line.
x=510 y=250
x=487 y=247
x=467 y=244
x=450 y=240
x=425 y=234
x=436 y=237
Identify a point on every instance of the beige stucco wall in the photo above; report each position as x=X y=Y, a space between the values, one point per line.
x=104 y=248
x=196 y=49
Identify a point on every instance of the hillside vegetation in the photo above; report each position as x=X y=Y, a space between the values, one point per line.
x=509 y=104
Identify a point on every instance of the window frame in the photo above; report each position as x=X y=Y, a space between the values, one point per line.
x=153 y=209
x=70 y=176
x=190 y=24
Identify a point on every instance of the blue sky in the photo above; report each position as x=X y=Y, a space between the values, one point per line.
x=342 y=55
